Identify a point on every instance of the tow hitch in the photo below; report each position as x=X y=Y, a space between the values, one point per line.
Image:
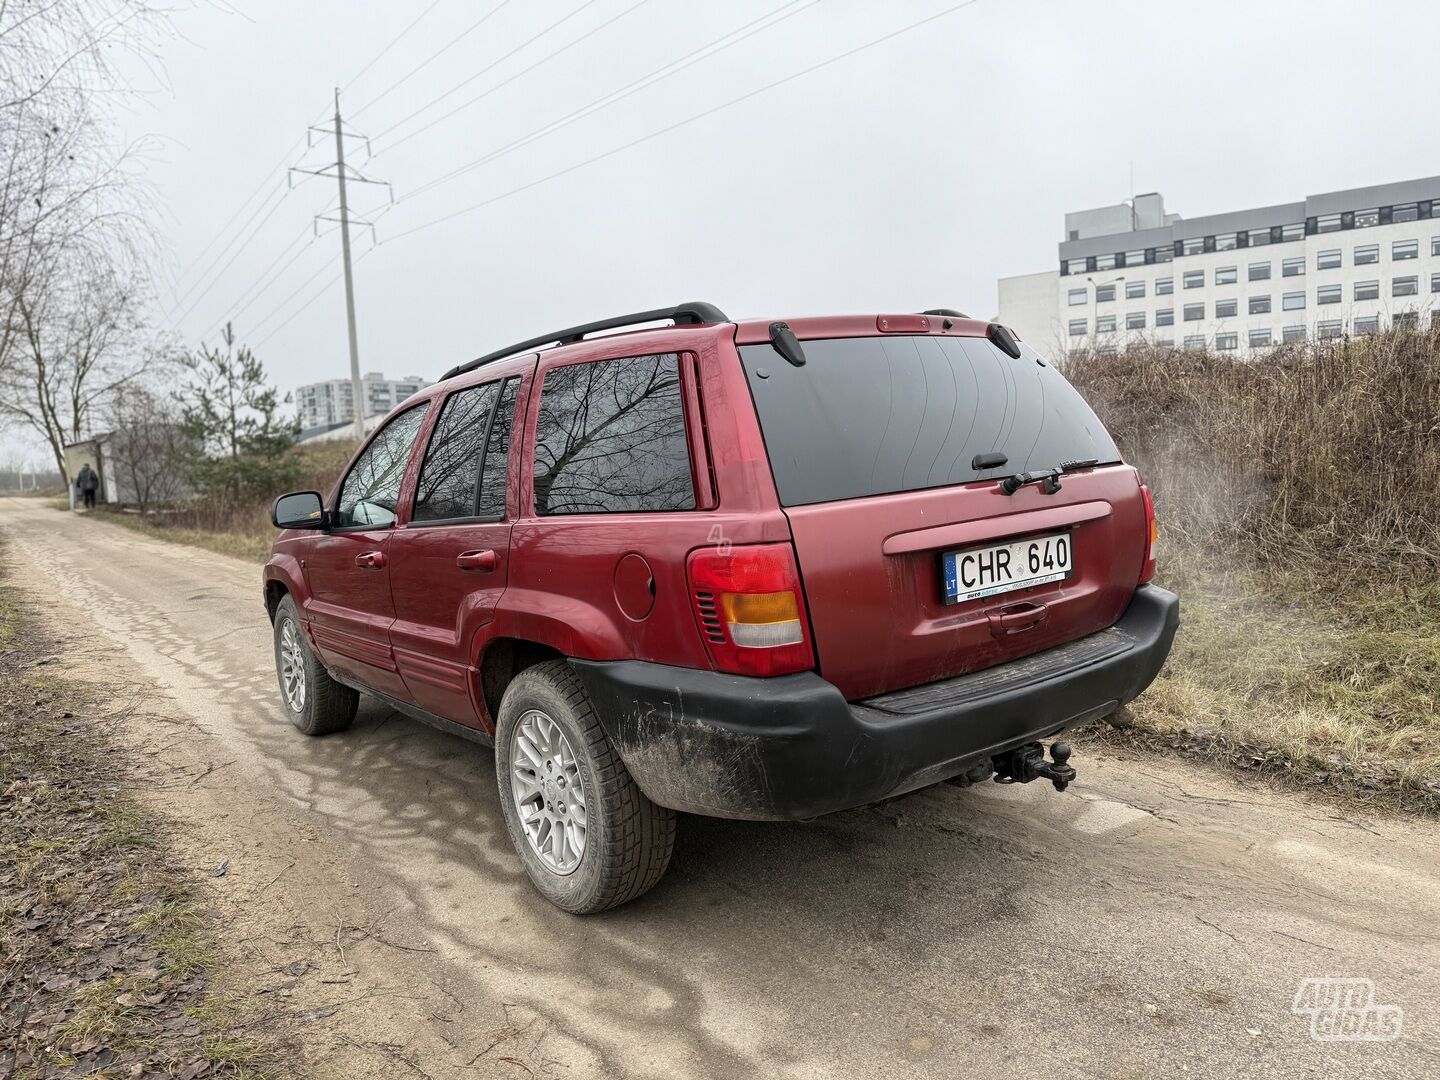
x=1026 y=763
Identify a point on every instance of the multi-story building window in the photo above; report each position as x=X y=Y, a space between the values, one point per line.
x=1259 y=237
x=1293 y=267
x=1195 y=341
x=1327 y=260
x=1293 y=333
x=1367 y=290
x=1226 y=309
x=1366 y=254
x=1165 y=317
x=1194 y=246
x=1105 y=324
x=1260 y=271
x=1134 y=290
x=1074 y=266
x=1327 y=329
x=1402 y=212
x=1405 y=249
x=1259 y=305
x=1292 y=301
x=1226 y=275
x=1077 y=296
x=1435 y=245
x=1164 y=286
x=1135 y=258
x=1078 y=327
x=1370 y=324
x=1259 y=338
x=1365 y=219
x=1405 y=286
x=1194 y=312
x=1135 y=320
x=1406 y=320
x=1104 y=350
x=1328 y=294
x=1292 y=232
x=1227 y=342
x=1327 y=223
x=1434 y=283
x=1104 y=293
x=1194 y=279
x=1226 y=241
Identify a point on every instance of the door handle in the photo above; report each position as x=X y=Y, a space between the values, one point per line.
x=1015 y=618
x=370 y=560
x=477 y=562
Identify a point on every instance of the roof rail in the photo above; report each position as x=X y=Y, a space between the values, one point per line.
x=694 y=313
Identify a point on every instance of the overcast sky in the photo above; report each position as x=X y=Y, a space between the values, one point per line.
x=912 y=174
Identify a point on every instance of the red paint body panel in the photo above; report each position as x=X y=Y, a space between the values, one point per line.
x=418 y=629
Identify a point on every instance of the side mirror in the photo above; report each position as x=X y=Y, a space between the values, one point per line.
x=299 y=510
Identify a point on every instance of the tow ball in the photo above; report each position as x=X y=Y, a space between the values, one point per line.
x=1026 y=763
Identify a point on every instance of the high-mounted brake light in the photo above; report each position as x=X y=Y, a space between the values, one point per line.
x=1152 y=536
x=751 y=610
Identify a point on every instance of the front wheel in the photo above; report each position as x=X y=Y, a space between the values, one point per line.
x=315 y=703
x=589 y=838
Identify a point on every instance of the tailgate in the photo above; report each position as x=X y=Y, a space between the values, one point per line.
x=878 y=446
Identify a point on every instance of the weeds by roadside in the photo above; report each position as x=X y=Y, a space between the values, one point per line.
x=105 y=957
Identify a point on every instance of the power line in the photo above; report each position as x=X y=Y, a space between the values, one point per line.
x=303 y=307
x=393 y=42
x=433 y=56
x=266 y=280
x=665 y=71
x=494 y=64
x=691 y=119
x=231 y=261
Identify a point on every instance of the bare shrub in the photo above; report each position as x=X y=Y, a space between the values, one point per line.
x=1319 y=450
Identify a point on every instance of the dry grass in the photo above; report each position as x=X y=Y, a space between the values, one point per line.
x=1298 y=526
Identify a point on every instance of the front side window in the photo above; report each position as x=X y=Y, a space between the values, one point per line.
x=1406 y=320
x=1164 y=286
x=1077 y=296
x=1227 y=342
x=1293 y=301
x=1226 y=275
x=1293 y=267
x=1194 y=312
x=611 y=438
x=1077 y=327
x=1370 y=324
x=1293 y=333
x=1135 y=320
x=1327 y=260
x=371 y=491
x=1259 y=338
x=1195 y=341
x=1134 y=290
x=1367 y=290
x=1226 y=242
x=450 y=478
x=1194 y=279
x=1365 y=219
x=1405 y=286
x=1104 y=293
x=1405 y=249
x=1327 y=294
x=1225 y=309
x=1259 y=305
x=1435 y=245
x=1105 y=324
x=1165 y=317
x=1367 y=253
x=1434 y=284
x=1328 y=329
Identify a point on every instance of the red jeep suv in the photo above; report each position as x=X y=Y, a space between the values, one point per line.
x=759 y=570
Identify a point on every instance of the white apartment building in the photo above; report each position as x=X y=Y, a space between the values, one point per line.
x=1344 y=263
x=324 y=404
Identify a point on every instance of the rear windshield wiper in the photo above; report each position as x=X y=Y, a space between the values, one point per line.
x=1050 y=478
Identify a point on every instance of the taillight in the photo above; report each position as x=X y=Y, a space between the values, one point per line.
x=1152 y=536
x=751 y=609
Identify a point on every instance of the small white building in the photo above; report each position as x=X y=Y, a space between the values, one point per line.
x=1342 y=263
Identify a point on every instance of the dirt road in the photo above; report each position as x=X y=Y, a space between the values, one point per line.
x=1152 y=921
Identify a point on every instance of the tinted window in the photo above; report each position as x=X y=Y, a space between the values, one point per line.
x=611 y=438
x=451 y=472
x=497 y=455
x=372 y=489
x=867 y=416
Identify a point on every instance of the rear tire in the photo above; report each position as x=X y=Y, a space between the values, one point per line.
x=557 y=770
x=315 y=703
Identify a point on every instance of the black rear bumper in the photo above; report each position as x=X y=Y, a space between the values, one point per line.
x=793 y=747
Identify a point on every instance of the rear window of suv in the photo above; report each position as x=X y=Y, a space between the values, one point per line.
x=877 y=415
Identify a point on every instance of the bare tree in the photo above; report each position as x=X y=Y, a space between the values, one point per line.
x=148 y=448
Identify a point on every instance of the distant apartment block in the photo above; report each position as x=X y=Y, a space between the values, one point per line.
x=1344 y=263
x=324 y=404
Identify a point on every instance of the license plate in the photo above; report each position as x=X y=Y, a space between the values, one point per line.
x=1002 y=568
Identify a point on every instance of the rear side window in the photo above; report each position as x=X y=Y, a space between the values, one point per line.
x=458 y=479
x=611 y=438
x=371 y=490
x=875 y=415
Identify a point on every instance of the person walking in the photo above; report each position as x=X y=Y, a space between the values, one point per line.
x=87 y=483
